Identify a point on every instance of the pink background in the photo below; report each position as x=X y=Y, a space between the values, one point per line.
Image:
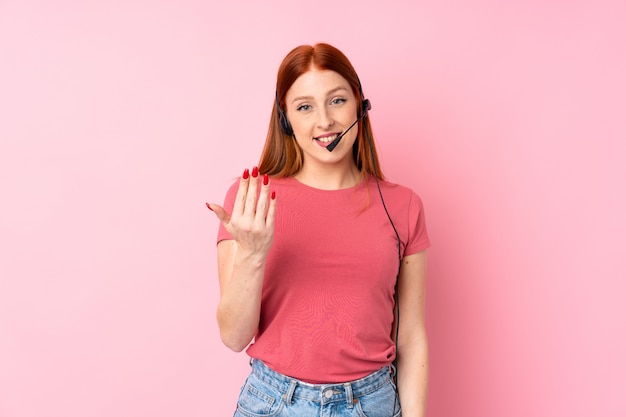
x=119 y=119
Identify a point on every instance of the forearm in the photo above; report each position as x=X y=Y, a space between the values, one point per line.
x=241 y=259
x=240 y=302
x=413 y=377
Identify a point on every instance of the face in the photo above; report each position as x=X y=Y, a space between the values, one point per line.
x=320 y=105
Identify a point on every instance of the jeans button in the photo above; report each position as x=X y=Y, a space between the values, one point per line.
x=328 y=394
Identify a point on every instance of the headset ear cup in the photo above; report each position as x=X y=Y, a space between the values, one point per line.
x=284 y=123
x=365 y=106
x=282 y=118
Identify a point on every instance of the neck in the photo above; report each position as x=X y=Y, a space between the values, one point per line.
x=325 y=178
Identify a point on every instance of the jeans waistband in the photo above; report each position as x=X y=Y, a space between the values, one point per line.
x=324 y=393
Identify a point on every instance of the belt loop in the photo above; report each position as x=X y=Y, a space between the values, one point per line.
x=392 y=372
x=288 y=396
x=349 y=398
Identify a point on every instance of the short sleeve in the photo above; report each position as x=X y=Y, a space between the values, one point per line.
x=418 y=239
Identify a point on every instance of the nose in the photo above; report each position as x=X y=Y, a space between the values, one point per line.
x=325 y=119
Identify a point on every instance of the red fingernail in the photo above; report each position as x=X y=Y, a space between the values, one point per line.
x=209 y=206
x=246 y=174
x=266 y=179
x=255 y=172
x=273 y=195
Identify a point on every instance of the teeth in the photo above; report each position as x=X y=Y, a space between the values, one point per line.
x=327 y=139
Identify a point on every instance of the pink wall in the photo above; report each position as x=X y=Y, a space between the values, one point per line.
x=119 y=119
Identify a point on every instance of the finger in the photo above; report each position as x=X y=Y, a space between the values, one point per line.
x=264 y=196
x=219 y=211
x=242 y=191
x=251 y=197
x=271 y=212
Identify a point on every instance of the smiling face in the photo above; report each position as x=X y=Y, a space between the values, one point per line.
x=320 y=105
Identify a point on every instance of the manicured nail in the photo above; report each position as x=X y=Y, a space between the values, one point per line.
x=255 y=172
x=273 y=195
x=209 y=206
x=246 y=174
x=266 y=179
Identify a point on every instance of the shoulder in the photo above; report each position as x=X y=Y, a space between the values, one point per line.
x=284 y=182
x=398 y=192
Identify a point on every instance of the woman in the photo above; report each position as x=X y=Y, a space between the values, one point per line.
x=311 y=246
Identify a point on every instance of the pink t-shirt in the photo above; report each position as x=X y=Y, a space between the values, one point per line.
x=327 y=303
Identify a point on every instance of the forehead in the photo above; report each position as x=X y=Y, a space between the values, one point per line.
x=316 y=82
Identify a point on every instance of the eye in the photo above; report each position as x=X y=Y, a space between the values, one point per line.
x=338 y=100
x=303 y=107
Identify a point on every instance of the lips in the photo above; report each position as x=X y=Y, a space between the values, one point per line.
x=327 y=138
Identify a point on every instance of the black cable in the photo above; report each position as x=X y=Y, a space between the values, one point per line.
x=395 y=293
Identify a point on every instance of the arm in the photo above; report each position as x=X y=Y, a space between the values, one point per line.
x=412 y=341
x=241 y=261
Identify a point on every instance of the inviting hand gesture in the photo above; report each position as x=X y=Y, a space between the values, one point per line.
x=251 y=223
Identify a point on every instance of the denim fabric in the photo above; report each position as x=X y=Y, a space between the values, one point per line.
x=269 y=393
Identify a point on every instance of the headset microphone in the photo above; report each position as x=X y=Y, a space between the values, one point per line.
x=366 y=105
x=335 y=142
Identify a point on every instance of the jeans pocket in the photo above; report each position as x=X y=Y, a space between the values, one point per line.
x=257 y=399
x=383 y=402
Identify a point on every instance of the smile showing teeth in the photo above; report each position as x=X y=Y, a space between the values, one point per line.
x=327 y=139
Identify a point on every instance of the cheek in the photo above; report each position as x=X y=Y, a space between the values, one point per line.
x=300 y=127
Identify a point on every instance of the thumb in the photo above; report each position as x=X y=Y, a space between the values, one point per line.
x=219 y=211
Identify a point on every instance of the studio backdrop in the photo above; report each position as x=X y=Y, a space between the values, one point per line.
x=120 y=119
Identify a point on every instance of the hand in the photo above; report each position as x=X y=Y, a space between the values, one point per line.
x=251 y=223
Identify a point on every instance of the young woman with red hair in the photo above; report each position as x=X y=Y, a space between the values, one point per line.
x=321 y=261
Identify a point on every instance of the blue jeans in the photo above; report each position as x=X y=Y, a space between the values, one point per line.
x=269 y=393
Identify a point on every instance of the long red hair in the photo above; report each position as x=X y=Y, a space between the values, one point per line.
x=281 y=155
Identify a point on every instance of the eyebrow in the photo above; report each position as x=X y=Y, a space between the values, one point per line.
x=334 y=90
